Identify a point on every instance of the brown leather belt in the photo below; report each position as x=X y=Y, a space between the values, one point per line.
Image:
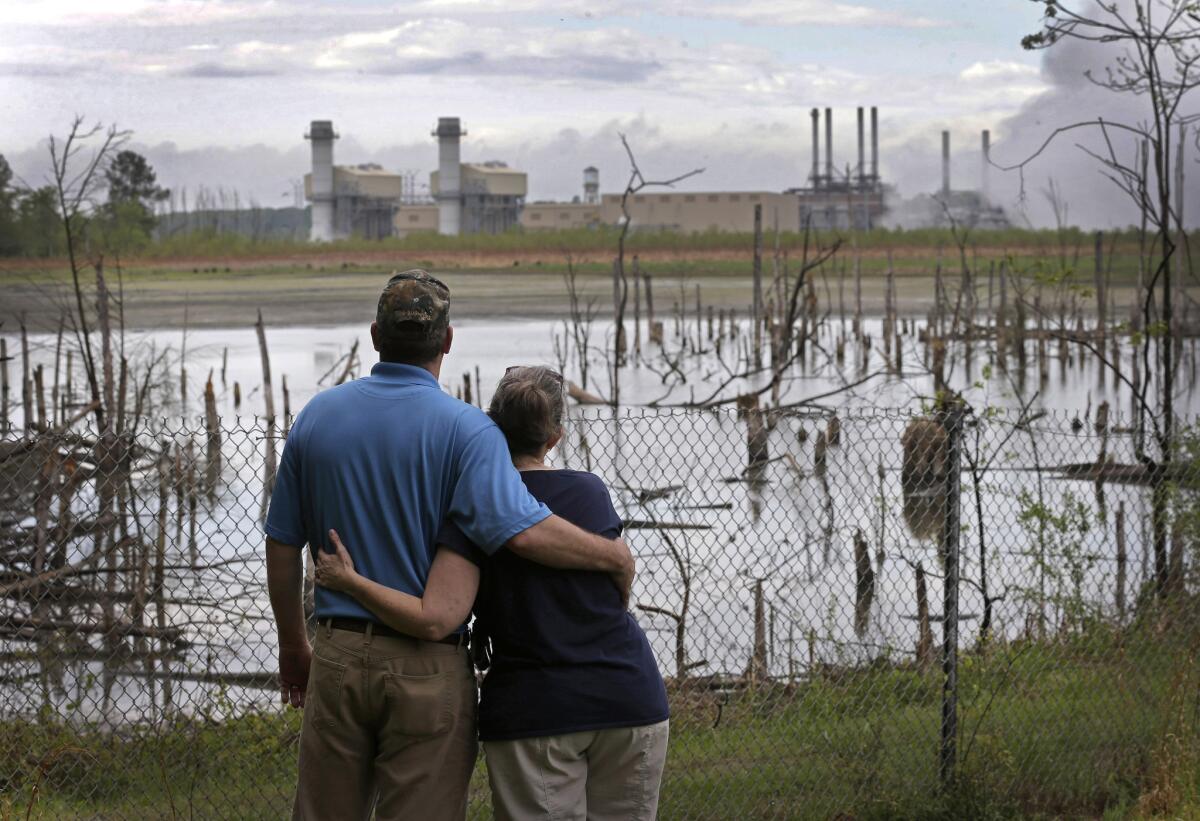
x=377 y=629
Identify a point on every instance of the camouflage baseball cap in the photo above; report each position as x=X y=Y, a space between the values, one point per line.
x=413 y=305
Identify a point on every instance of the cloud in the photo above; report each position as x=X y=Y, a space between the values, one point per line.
x=596 y=67
x=454 y=48
x=220 y=71
x=807 y=13
x=999 y=70
x=192 y=13
x=37 y=69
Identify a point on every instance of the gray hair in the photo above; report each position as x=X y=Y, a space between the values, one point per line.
x=528 y=407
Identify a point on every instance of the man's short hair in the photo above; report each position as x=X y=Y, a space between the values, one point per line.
x=412 y=317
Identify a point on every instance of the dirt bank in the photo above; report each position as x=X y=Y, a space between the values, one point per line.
x=311 y=297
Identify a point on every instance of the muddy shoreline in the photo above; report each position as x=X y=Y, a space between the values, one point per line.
x=219 y=300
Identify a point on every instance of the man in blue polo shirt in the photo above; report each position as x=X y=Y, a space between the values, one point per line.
x=389 y=719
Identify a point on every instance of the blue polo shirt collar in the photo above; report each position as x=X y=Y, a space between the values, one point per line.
x=401 y=374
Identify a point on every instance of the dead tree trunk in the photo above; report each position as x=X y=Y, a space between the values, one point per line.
x=758 y=295
x=212 y=453
x=1122 y=561
x=925 y=657
x=269 y=464
x=758 y=670
x=864 y=590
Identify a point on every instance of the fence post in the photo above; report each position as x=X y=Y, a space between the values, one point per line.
x=950 y=538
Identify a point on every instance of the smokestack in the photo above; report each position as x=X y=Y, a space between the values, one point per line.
x=987 y=158
x=862 y=160
x=591 y=185
x=875 y=144
x=449 y=196
x=816 y=147
x=321 y=135
x=945 y=163
x=829 y=145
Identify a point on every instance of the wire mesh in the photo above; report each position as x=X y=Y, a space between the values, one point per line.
x=792 y=580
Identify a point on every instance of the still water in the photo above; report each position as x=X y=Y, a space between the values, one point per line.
x=791 y=526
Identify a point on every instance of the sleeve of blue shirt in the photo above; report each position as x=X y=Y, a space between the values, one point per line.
x=489 y=502
x=285 y=522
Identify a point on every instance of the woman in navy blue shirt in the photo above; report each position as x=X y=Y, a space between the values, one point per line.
x=573 y=712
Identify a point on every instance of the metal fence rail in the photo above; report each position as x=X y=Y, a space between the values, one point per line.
x=876 y=612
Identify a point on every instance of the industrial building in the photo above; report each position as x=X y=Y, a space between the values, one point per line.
x=686 y=212
x=947 y=206
x=490 y=197
x=367 y=201
x=842 y=199
x=831 y=200
x=359 y=200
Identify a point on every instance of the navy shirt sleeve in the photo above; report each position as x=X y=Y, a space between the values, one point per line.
x=285 y=519
x=452 y=538
x=595 y=511
x=489 y=501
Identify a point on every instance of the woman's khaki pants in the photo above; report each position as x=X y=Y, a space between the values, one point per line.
x=597 y=775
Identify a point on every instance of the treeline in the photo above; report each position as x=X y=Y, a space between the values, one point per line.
x=33 y=220
x=135 y=215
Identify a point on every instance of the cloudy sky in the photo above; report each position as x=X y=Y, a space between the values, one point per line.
x=219 y=92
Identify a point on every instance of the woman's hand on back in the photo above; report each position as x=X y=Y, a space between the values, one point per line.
x=336 y=570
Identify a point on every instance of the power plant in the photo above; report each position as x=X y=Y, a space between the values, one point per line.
x=359 y=200
x=490 y=198
x=852 y=198
x=966 y=208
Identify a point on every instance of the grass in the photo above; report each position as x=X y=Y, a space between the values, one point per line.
x=605 y=238
x=337 y=263
x=1100 y=725
x=552 y=246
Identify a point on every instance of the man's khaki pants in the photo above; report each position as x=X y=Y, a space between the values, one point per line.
x=389 y=724
x=599 y=775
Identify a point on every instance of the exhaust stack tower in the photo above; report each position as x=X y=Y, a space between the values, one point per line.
x=449 y=197
x=816 y=148
x=874 y=144
x=945 y=163
x=862 y=160
x=829 y=146
x=321 y=135
x=591 y=185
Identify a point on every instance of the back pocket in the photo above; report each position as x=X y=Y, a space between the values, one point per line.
x=419 y=706
x=323 y=701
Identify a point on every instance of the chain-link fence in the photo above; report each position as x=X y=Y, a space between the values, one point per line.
x=876 y=613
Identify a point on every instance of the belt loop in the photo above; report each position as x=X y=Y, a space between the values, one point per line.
x=328 y=628
x=369 y=632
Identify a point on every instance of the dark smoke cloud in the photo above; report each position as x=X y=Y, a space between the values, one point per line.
x=1093 y=200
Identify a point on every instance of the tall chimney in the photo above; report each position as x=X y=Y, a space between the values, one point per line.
x=816 y=148
x=945 y=163
x=875 y=144
x=862 y=160
x=321 y=135
x=987 y=159
x=449 y=196
x=829 y=144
